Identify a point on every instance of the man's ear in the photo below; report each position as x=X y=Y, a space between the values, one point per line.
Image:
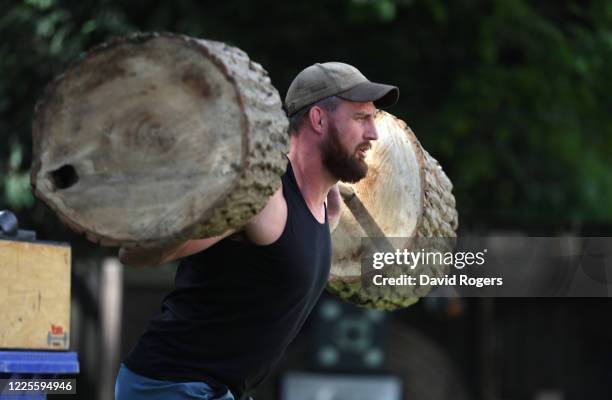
x=317 y=118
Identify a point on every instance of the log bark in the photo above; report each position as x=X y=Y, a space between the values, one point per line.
x=156 y=138
x=409 y=197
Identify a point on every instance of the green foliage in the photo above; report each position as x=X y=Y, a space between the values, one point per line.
x=512 y=97
x=40 y=38
x=528 y=130
x=17 y=183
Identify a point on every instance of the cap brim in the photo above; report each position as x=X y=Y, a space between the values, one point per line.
x=380 y=94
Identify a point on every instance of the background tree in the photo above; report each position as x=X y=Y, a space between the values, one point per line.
x=513 y=98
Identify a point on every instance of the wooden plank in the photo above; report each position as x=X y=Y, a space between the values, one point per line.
x=34 y=295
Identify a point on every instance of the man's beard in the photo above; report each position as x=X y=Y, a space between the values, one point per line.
x=342 y=164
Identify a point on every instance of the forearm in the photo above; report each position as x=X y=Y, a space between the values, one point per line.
x=143 y=257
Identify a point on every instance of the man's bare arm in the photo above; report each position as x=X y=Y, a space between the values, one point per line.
x=261 y=229
x=334 y=204
x=141 y=257
x=144 y=257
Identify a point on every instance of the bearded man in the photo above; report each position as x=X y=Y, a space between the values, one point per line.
x=240 y=298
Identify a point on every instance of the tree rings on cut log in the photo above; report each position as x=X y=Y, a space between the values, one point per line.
x=407 y=198
x=155 y=138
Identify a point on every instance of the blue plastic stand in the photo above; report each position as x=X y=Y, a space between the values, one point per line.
x=35 y=364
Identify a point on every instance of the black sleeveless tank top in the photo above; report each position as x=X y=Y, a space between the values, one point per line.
x=236 y=306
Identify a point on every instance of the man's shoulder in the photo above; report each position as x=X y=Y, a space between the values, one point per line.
x=268 y=225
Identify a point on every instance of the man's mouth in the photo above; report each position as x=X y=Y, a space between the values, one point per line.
x=362 y=151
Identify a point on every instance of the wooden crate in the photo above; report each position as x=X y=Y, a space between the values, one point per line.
x=34 y=295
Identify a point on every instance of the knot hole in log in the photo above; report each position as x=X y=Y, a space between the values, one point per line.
x=63 y=177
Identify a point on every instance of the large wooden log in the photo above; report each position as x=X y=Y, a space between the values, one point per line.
x=407 y=197
x=155 y=138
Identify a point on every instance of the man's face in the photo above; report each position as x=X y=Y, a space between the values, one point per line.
x=350 y=130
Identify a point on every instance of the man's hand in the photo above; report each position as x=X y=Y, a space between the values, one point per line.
x=334 y=203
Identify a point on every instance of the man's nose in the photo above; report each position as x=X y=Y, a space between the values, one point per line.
x=371 y=132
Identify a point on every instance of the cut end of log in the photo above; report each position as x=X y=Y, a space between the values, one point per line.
x=144 y=139
x=408 y=196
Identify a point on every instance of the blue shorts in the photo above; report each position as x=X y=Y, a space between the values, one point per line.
x=131 y=386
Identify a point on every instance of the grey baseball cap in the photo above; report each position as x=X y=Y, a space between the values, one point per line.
x=323 y=80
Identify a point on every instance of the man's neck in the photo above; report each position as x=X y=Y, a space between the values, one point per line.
x=312 y=178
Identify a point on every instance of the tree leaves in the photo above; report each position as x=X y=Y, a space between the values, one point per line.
x=512 y=97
